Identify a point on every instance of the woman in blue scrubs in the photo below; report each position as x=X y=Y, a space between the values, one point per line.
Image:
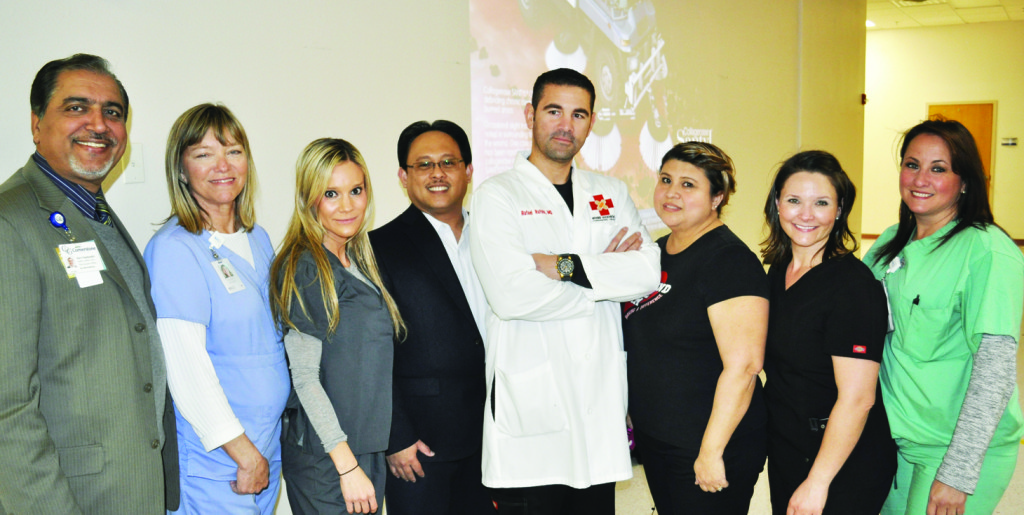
x=209 y=265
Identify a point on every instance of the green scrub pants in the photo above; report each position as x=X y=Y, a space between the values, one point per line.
x=916 y=469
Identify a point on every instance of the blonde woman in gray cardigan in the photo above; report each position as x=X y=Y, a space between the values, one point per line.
x=341 y=323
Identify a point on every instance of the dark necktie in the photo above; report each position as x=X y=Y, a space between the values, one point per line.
x=102 y=209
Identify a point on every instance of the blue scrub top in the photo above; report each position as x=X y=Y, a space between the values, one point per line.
x=243 y=342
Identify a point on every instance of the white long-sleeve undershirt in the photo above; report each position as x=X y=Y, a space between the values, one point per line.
x=193 y=382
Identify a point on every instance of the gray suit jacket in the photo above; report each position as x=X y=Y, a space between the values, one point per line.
x=79 y=428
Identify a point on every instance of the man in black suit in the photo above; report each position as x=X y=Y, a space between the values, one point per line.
x=423 y=255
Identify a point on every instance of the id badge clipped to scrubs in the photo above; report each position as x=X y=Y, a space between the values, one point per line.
x=894 y=265
x=224 y=269
x=228 y=275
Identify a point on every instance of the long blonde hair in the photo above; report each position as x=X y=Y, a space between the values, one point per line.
x=189 y=129
x=305 y=233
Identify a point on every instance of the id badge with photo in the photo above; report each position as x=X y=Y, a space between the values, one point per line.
x=82 y=262
x=228 y=275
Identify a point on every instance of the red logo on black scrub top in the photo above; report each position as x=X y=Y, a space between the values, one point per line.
x=860 y=349
x=628 y=308
x=602 y=205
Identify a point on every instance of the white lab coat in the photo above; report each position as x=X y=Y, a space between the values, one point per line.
x=554 y=352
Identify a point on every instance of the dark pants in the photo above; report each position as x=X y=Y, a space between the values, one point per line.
x=313 y=484
x=447 y=488
x=861 y=486
x=670 y=476
x=555 y=500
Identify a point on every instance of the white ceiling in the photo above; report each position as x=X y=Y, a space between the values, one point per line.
x=901 y=14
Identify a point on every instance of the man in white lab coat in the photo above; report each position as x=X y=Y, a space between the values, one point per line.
x=556 y=249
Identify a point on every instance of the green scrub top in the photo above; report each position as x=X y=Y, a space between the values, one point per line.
x=942 y=300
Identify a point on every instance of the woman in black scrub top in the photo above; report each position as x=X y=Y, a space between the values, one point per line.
x=696 y=346
x=829 y=448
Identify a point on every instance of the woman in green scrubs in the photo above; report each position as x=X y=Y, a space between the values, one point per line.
x=955 y=283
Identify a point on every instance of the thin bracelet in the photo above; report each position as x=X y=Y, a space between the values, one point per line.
x=349 y=470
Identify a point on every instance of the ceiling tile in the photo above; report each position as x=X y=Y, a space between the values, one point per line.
x=934 y=15
x=983 y=14
x=966 y=4
x=894 y=14
x=889 y=17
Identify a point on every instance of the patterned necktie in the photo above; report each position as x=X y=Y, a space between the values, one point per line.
x=102 y=209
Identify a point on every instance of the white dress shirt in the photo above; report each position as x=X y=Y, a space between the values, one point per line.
x=462 y=262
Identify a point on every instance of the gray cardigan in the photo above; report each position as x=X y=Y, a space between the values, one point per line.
x=355 y=364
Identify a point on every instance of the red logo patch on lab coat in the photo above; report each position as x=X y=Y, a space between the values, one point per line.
x=602 y=205
x=860 y=349
x=602 y=209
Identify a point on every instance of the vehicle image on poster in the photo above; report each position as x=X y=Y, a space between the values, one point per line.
x=627 y=60
x=617 y=44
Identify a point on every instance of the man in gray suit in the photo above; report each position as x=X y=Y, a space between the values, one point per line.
x=84 y=410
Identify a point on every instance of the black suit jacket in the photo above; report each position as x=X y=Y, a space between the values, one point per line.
x=439 y=384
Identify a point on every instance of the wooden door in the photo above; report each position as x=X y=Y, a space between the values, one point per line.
x=978 y=118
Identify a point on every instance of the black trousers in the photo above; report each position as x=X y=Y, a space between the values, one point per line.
x=670 y=476
x=447 y=488
x=555 y=500
x=861 y=486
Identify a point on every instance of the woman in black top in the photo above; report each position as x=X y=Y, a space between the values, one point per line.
x=696 y=346
x=829 y=449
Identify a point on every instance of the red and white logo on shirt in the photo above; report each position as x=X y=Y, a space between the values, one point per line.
x=628 y=308
x=860 y=349
x=603 y=206
x=602 y=209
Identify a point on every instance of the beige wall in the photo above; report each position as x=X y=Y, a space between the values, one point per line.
x=832 y=81
x=291 y=71
x=908 y=69
x=781 y=77
x=362 y=71
x=744 y=68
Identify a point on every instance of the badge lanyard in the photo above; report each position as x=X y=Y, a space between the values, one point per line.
x=225 y=271
x=81 y=261
x=57 y=220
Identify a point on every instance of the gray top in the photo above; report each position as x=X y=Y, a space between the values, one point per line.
x=347 y=371
x=304 y=353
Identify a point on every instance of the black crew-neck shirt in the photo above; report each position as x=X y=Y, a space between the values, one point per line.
x=673 y=361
